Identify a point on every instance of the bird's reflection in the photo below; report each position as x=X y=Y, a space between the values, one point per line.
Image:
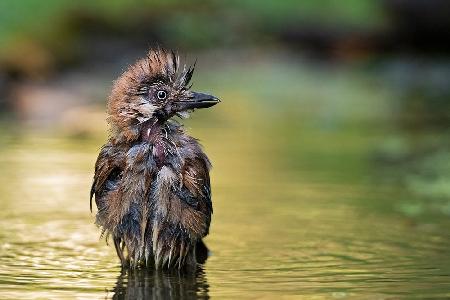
x=162 y=284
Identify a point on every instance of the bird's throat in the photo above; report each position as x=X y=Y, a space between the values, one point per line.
x=151 y=131
x=156 y=134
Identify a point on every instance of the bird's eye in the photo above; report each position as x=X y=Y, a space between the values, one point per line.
x=161 y=95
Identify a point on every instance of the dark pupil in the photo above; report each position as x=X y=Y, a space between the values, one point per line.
x=161 y=95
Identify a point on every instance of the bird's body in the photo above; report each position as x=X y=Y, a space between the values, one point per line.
x=151 y=182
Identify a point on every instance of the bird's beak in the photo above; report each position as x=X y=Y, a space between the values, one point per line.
x=197 y=100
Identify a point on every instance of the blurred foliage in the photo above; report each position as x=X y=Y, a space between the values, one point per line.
x=188 y=24
x=33 y=17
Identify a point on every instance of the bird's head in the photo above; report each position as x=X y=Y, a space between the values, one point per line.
x=153 y=90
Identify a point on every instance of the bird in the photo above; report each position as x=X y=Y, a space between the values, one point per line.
x=151 y=183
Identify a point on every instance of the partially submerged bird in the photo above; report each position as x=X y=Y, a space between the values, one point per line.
x=151 y=182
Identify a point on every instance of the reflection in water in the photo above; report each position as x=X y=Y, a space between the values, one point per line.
x=164 y=284
x=150 y=284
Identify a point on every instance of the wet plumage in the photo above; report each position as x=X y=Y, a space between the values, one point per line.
x=151 y=182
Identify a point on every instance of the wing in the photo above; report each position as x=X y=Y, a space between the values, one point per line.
x=108 y=170
x=182 y=209
x=196 y=188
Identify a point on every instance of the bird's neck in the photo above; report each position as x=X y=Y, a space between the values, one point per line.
x=154 y=131
x=150 y=131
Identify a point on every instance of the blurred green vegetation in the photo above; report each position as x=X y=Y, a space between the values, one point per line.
x=55 y=31
x=37 y=18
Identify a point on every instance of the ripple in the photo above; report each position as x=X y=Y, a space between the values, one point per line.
x=298 y=239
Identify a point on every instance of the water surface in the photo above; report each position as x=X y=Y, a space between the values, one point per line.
x=300 y=209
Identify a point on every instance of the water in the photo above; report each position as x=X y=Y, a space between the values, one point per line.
x=300 y=211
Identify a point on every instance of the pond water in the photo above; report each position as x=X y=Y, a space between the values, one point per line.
x=300 y=210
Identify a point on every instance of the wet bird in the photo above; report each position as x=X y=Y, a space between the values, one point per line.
x=151 y=182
